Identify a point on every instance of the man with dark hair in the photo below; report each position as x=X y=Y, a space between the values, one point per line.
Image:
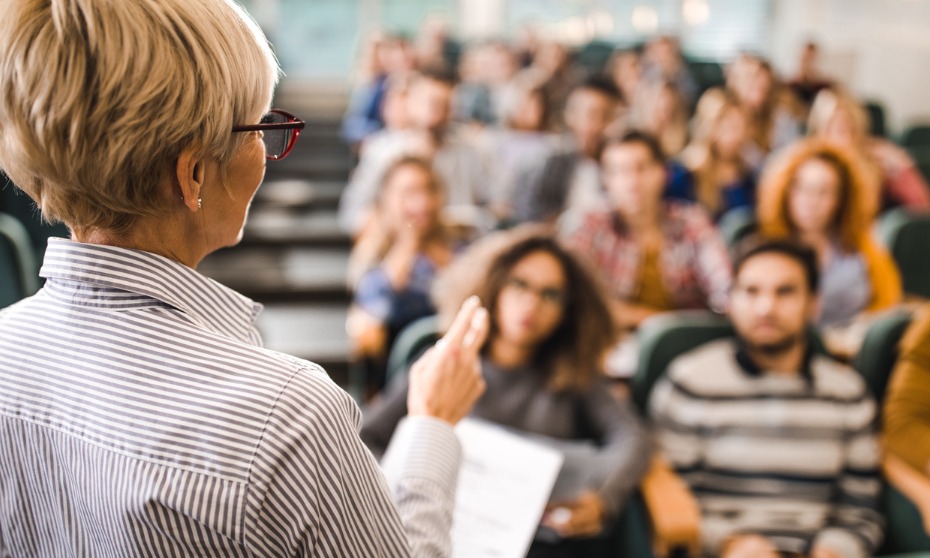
x=569 y=178
x=776 y=441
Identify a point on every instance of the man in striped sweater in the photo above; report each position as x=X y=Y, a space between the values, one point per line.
x=777 y=441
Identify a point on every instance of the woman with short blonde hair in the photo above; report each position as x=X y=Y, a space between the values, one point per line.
x=139 y=413
x=94 y=139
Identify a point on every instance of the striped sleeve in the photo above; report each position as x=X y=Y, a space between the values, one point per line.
x=856 y=526
x=318 y=490
x=421 y=466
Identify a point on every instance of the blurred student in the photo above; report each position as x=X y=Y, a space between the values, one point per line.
x=773 y=114
x=569 y=178
x=718 y=174
x=664 y=62
x=660 y=110
x=553 y=72
x=542 y=364
x=776 y=441
x=656 y=255
x=383 y=57
x=625 y=68
x=518 y=144
x=465 y=172
x=472 y=103
x=394 y=262
x=809 y=80
x=487 y=71
x=839 y=118
x=815 y=192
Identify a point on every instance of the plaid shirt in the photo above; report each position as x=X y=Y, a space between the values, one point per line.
x=694 y=262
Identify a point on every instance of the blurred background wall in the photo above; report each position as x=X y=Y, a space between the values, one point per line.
x=878 y=48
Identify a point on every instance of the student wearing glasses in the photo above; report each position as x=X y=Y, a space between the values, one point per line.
x=542 y=363
x=139 y=413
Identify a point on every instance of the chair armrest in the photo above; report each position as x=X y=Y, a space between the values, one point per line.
x=913 y=484
x=673 y=510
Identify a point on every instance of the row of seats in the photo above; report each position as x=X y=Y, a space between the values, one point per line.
x=18 y=278
x=23 y=238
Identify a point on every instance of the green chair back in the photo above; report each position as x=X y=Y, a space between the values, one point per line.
x=905 y=536
x=876 y=112
x=707 y=74
x=410 y=343
x=879 y=351
x=18 y=271
x=918 y=134
x=17 y=204
x=664 y=338
x=737 y=224
x=906 y=235
x=904 y=531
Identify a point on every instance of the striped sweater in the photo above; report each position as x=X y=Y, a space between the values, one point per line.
x=791 y=457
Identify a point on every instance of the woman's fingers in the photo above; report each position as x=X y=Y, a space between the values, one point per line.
x=446 y=381
x=461 y=325
x=477 y=332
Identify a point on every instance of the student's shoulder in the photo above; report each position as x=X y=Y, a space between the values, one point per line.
x=708 y=370
x=837 y=380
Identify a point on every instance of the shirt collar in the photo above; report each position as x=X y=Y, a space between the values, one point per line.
x=209 y=303
x=751 y=368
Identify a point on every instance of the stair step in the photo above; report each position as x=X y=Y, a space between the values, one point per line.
x=287 y=227
x=310 y=331
x=299 y=194
x=282 y=274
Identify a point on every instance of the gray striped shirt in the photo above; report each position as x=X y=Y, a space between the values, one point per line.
x=140 y=416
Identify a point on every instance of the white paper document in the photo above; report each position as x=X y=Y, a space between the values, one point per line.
x=503 y=488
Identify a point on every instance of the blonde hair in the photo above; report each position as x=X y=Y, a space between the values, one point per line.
x=828 y=103
x=700 y=156
x=99 y=99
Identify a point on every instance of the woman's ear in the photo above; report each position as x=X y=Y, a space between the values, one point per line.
x=190 y=175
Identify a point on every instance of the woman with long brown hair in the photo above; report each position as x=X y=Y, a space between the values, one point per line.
x=542 y=362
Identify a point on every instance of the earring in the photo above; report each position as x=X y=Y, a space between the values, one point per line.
x=199 y=202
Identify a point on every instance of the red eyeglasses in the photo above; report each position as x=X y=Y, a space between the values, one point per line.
x=279 y=132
